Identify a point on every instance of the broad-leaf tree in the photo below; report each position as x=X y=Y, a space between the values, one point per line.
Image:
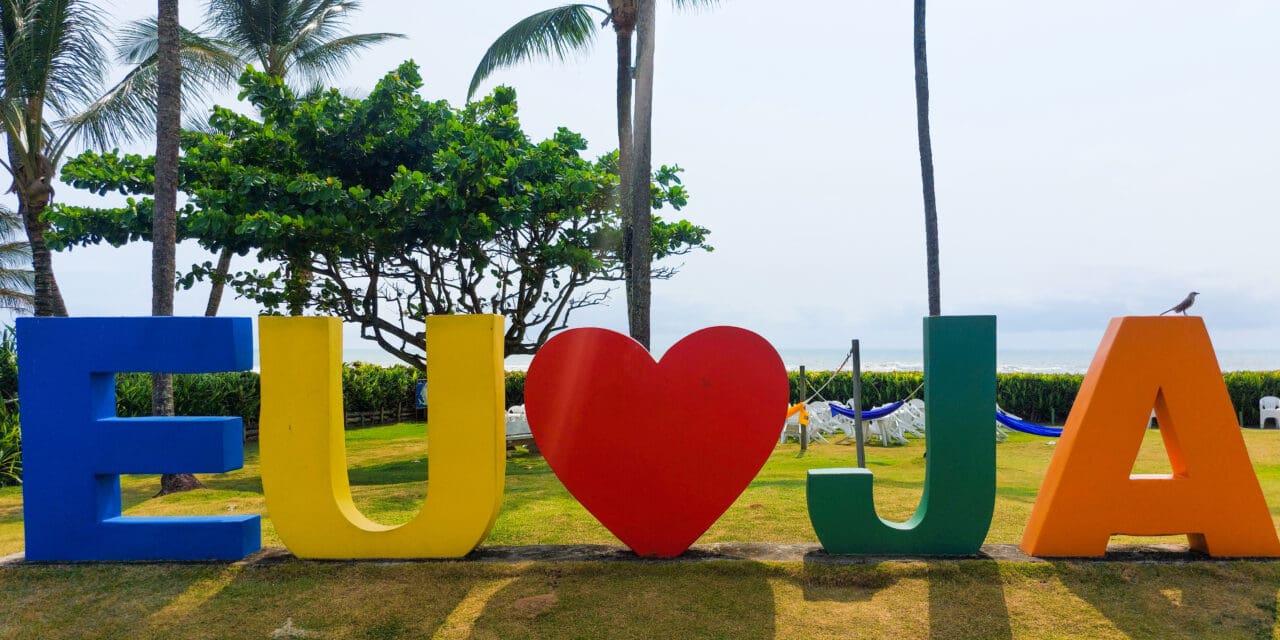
x=397 y=206
x=298 y=40
x=558 y=33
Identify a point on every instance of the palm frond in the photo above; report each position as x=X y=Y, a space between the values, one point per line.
x=553 y=34
x=306 y=36
x=314 y=22
x=127 y=110
x=14 y=255
x=17 y=300
x=325 y=60
x=247 y=25
x=693 y=5
x=17 y=279
x=69 y=52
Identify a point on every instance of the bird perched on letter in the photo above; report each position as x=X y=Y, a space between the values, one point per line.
x=1186 y=303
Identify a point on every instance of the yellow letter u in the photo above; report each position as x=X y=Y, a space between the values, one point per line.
x=303 y=447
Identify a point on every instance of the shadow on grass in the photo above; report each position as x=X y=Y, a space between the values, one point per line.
x=80 y=601
x=250 y=484
x=1177 y=600
x=395 y=472
x=634 y=600
x=822 y=582
x=968 y=590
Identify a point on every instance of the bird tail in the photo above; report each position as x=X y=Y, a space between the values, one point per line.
x=1167 y=310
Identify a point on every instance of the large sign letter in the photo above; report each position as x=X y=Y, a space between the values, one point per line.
x=75 y=447
x=304 y=468
x=960 y=474
x=1213 y=495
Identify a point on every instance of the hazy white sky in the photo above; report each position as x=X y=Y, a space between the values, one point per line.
x=1094 y=158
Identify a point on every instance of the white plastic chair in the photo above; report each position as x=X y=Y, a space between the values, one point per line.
x=821 y=421
x=518 y=424
x=1269 y=407
x=791 y=428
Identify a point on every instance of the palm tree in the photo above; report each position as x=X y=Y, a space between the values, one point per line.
x=926 y=164
x=50 y=59
x=557 y=33
x=302 y=39
x=52 y=68
x=164 y=220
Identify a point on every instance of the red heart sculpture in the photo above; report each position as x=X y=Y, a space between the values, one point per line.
x=656 y=450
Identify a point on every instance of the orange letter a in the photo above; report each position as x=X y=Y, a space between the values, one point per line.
x=1213 y=496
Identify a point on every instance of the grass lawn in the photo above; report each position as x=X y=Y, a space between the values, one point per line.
x=722 y=599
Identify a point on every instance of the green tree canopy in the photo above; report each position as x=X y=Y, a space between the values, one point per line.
x=398 y=206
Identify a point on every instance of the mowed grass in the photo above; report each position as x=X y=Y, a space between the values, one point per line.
x=730 y=599
x=388 y=471
x=723 y=599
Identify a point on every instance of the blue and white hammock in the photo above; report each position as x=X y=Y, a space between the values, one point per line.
x=1017 y=424
x=871 y=414
x=1032 y=428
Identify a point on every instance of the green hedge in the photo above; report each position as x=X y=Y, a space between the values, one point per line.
x=1036 y=397
x=194 y=394
x=364 y=388
x=10 y=433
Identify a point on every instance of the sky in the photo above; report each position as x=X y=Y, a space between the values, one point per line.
x=1094 y=158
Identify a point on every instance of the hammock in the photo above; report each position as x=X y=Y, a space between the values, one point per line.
x=1027 y=427
x=873 y=414
x=1003 y=418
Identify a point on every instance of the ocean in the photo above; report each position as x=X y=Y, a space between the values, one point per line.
x=1007 y=360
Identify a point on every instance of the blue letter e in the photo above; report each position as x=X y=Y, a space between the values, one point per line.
x=75 y=448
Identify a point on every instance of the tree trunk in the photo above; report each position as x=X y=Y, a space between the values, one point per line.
x=623 y=16
x=219 y=283
x=31 y=181
x=926 y=165
x=297 y=287
x=164 y=226
x=642 y=214
x=48 y=298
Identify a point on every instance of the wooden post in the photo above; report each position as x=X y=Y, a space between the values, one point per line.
x=857 y=406
x=804 y=429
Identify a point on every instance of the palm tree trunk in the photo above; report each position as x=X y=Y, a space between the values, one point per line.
x=31 y=180
x=642 y=214
x=48 y=298
x=926 y=165
x=164 y=226
x=623 y=17
x=219 y=283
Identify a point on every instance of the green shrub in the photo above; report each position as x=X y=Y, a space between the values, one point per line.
x=10 y=433
x=367 y=387
x=515 y=388
x=10 y=446
x=1037 y=397
x=1247 y=387
x=877 y=387
x=233 y=393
